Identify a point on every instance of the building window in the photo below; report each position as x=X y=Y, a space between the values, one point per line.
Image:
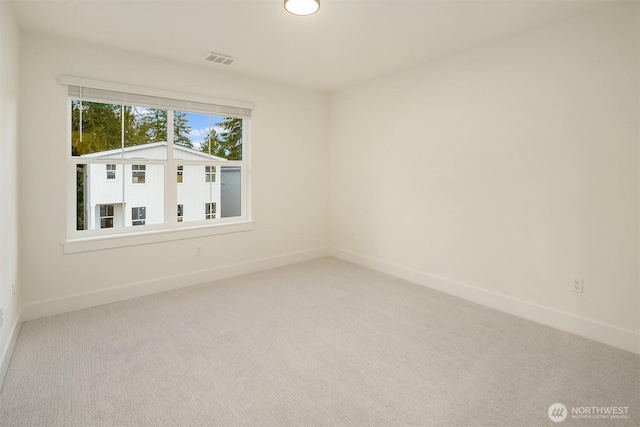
x=111 y=171
x=180 y=171
x=210 y=210
x=210 y=174
x=138 y=173
x=116 y=132
x=138 y=215
x=106 y=216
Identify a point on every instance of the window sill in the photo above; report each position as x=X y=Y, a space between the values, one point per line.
x=132 y=239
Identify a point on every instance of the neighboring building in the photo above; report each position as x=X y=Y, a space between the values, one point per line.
x=119 y=195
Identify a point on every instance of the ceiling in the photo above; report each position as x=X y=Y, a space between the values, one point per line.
x=346 y=42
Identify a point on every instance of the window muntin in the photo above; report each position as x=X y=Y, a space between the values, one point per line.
x=209 y=174
x=132 y=155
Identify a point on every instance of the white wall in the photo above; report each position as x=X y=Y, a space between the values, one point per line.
x=9 y=61
x=510 y=168
x=290 y=156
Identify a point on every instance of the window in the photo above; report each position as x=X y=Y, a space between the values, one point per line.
x=111 y=171
x=210 y=210
x=138 y=215
x=209 y=174
x=164 y=143
x=138 y=174
x=106 y=216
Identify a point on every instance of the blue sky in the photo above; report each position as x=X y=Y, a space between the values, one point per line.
x=200 y=125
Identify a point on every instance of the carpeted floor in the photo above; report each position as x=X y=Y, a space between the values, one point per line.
x=317 y=343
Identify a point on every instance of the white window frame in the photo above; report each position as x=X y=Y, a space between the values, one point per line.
x=210 y=210
x=171 y=229
x=111 y=171
x=113 y=216
x=138 y=171
x=136 y=218
x=210 y=173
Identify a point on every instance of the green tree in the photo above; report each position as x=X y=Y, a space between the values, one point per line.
x=210 y=143
x=181 y=129
x=153 y=124
x=228 y=142
x=101 y=127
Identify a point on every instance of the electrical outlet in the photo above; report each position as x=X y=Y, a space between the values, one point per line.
x=198 y=250
x=576 y=284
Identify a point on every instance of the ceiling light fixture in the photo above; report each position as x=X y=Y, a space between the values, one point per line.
x=302 y=7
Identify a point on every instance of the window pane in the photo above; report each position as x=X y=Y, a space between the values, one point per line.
x=106 y=222
x=138 y=215
x=230 y=189
x=195 y=192
x=100 y=130
x=104 y=203
x=145 y=202
x=81 y=181
x=197 y=136
x=145 y=133
x=103 y=130
x=138 y=174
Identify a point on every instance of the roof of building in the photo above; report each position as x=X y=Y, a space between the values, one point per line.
x=139 y=149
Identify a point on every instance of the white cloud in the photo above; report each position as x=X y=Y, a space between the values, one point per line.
x=199 y=134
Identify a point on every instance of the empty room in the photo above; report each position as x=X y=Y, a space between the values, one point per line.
x=416 y=212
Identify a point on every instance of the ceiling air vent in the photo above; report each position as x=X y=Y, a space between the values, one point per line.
x=219 y=58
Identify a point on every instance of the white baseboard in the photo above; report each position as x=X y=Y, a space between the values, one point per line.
x=607 y=334
x=7 y=351
x=51 y=307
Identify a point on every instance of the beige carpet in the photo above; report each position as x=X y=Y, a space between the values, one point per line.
x=317 y=343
